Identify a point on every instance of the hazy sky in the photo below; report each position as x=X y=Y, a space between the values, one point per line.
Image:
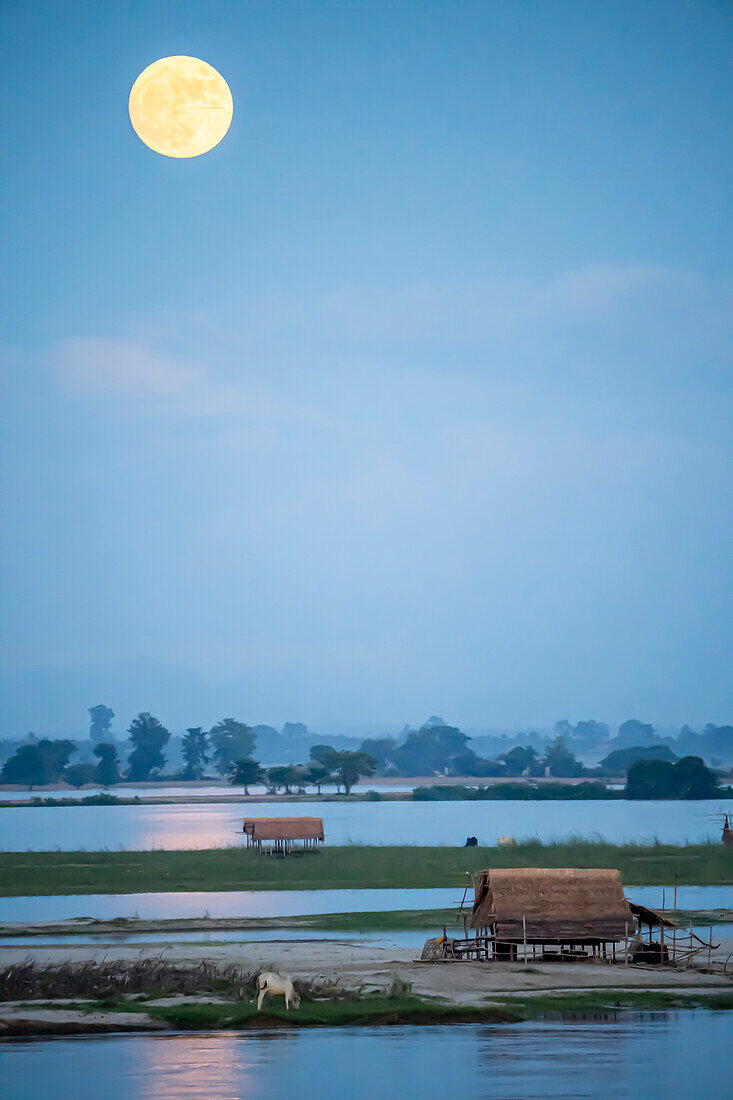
x=408 y=398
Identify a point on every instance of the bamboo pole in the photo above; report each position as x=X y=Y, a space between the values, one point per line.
x=674 y=918
x=626 y=935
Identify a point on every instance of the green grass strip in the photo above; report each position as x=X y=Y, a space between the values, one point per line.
x=349 y=867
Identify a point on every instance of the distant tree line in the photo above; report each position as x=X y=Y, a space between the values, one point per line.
x=228 y=745
x=436 y=749
x=655 y=778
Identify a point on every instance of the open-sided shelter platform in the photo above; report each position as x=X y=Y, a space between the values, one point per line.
x=565 y=909
x=566 y=913
x=278 y=834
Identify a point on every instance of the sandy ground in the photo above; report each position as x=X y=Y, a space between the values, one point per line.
x=357 y=964
x=354 y=965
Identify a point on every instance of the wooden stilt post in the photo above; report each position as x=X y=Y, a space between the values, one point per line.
x=674 y=918
x=626 y=935
x=710 y=948
x=524 y=938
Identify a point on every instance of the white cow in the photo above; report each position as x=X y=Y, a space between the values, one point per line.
x=506 y=842
x=276 y=985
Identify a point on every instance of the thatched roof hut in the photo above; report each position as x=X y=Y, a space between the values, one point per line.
x=553 y=905
x=283 y=830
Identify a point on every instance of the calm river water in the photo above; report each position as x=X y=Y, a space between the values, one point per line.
x=70 y=828
x=289 y=903
x=652 y=1055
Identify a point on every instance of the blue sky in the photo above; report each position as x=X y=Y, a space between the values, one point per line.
x=408 y=398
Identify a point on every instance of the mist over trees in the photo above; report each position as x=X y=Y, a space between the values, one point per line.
x=522 y=761
x=620 y=760
x=634 y=732
x=100 y=723
x=231 y=740
x=429 y=750
x=295 y=758
x=560 y=762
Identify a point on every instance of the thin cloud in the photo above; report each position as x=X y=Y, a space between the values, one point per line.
x=141 y=378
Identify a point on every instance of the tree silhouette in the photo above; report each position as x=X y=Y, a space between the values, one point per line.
x=195 y=745
x=232 y=741
x=243 y=773
x=39 y=763
x=287 y=776
x=77 y=775
x=349 y=766
x=317 y=774
x=100 y=722
x=107 y=772
x=149 y=737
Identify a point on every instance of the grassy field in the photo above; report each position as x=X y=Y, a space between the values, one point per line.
x=351 y=868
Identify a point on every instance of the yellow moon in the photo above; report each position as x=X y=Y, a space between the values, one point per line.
x=180 y=106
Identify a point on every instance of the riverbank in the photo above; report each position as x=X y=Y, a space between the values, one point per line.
x=347 y=867
x=115 y=799
x=221 y=788
x=94 y=1018
x=339 y=984
x=521 y=790
x=391 y=920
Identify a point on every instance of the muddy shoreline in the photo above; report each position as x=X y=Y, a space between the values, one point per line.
x=429 y=920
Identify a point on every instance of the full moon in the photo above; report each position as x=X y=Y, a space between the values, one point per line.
x=180 y=106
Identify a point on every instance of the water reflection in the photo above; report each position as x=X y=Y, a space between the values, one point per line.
x=215 y=1068
x=290 y=903
x=650 y=1054
x=224 y=903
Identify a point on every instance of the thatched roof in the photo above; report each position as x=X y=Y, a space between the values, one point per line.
x=650 y=916
x=284 y=828
x=564 y=905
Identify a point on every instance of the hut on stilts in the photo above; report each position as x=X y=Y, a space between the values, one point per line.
x=561 y=913
x=279 y=835
x=544 y=913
